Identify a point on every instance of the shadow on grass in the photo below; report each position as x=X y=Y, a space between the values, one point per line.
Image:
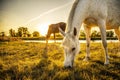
x=12 y=74
x=39 y=71
x=110 y=71
x=3 y=54
x=116 y=65
x=98 y=62
x=106 y=74
x=42 y=71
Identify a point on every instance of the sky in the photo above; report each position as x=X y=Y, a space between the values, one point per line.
x=36 y=15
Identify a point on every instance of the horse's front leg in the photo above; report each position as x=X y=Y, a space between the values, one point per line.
x=54 y=38
x=88 y=33
x=102 y=26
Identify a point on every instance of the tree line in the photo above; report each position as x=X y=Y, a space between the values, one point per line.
x=21 y=32
x=24 y=32
x=97 y=34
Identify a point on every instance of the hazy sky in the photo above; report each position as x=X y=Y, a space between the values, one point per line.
x=32 y=13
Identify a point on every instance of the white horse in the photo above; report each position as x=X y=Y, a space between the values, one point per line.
x=102 y=13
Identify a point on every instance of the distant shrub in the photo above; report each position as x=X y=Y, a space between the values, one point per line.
x=2 y=39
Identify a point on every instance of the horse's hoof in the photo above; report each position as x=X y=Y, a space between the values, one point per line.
x=106 y=63
x=108 y=57
x=86 y=59
x=68 y=67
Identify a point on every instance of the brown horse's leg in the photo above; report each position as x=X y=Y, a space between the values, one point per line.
x=54 y=38
x=46 y=39
x=48 y=36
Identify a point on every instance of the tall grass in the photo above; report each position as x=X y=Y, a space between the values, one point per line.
x=35 y=61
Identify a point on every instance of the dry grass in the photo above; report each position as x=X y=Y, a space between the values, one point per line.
x=33 y=61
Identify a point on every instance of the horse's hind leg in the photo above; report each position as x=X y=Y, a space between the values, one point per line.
x=88 y=33
x=102 y=26
x=117 y=31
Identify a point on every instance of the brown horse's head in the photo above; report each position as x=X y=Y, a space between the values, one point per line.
x=54 y=28
x=49 y=31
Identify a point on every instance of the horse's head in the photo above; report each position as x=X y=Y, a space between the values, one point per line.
x=47 y=36
x=71 y=46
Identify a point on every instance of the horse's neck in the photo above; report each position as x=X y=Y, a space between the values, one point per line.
x=77 y=16
x=63 y=27
x=70 y=18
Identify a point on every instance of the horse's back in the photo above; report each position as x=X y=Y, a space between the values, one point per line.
x=113 y=18
x=109 y=9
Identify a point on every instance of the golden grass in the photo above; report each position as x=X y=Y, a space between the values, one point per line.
x=35 y=61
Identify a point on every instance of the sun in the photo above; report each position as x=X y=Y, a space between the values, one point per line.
x=43 y=28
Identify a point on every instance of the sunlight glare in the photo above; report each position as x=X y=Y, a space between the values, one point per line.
x=43 y=28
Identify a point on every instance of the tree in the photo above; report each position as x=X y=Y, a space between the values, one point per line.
x=58 y=35
x=36 y=34
x=12 y=32
x=98 y=34
x=22 y=31
x=110 y=33
x=82 y=34
x=25 y=32
x=28 y=34
x=94 y=34
x=2 y=34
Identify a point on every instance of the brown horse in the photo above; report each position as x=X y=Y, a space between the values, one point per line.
x=54 y=28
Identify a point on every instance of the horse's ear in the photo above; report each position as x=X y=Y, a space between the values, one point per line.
x=75 y=31
x=62 y=32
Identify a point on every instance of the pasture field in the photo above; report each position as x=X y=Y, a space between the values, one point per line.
x=35 y=61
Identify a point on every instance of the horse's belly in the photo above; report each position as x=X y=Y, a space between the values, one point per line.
x=112 y=24
x=112 y=27
x=91 y=22
x=109 y=25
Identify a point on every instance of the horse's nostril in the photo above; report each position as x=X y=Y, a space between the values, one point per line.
x=73 y=49
x=68 y=67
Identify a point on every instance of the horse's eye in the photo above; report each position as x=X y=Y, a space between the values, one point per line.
x=73 y=49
